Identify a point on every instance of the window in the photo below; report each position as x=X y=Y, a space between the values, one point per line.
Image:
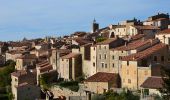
x=105 y=65
x=146 y=72
x=127 y=72
x=169 y=41
x=100 y=47
x=134 y=72
x=129 y=81
x=104 y=47
x=53 y=60
x=155 y=58
x=16 y=80
x=100 y=56
x=105 y=56
x=113 y=57
x=113 y=65
x=127 y=63
x=94 y=64
x=162 y=58
x=123 y=80
x=132 y=31
x=62 y=59
x=94 y=48
x=102 y=64
x=122 y=51
x=120 y=57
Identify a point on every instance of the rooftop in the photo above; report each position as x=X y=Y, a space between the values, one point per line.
x=28 y=56
x=145 y=53
x=102 y=77
x=146 y=27
x=19 y=73
x=135 y=44
x=108 y=41
x=70 y=55
x=166 y=31
x=82 y=41
x=153 y=83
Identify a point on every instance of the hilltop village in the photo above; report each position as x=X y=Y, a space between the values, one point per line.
x=127 y=56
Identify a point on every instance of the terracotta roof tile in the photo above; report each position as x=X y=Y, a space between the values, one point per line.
x=166 y=31
x=145 y=53
x=19 y=73
x=153 y=83
x=146 y=27
x=102 y=77
x=28 y=56
x=82 y=41
x=108 y=41
x=136 y=44
x=70 y=55
x=46 y=68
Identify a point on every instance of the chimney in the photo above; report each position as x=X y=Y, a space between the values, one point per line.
x=126 y=43
x=151 y=42
x=143 y=39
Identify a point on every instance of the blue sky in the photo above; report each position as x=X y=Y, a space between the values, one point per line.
x=39 y=18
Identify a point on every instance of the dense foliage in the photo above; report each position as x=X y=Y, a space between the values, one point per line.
x=100 y=39
x=47 y=79
x=5 y=77
x=5 y=80
x=166 y=86
x=72 y=85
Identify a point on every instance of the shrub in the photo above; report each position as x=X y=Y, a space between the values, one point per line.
x=71 y=85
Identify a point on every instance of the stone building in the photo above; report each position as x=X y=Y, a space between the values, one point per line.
x=102 y=82
x=103 y=53
x=70 y=66
x=136 y=68
x=23 y=85
x=26 y=61
x=164 y=36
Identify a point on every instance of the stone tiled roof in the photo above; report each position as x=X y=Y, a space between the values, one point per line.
x=17 y=52
x=19 y=73
x=146 y=27
x=166 y=31
x=70 y=55
x=145 y=53
x=82 y=41
x=136 y=44
x=153 y=83
x=28 y=56
x=102 y=77
x=108 y=41
x=46 y=68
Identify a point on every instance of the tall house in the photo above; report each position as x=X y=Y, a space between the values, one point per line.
x=70 y=66
x=164 y=36
x=23 y=85
x=137 y=67
x=103 y=53
x=95 y=26
x=160 y=20
x=55 y=57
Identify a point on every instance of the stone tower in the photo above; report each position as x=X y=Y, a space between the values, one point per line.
x=95 y=26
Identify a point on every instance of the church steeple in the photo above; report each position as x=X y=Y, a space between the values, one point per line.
x=95 y=26
x=94 y=21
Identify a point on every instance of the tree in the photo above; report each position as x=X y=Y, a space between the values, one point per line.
x=110 y=95
x=165 y=91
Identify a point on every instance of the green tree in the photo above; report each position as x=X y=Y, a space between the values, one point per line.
x=165 y=91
